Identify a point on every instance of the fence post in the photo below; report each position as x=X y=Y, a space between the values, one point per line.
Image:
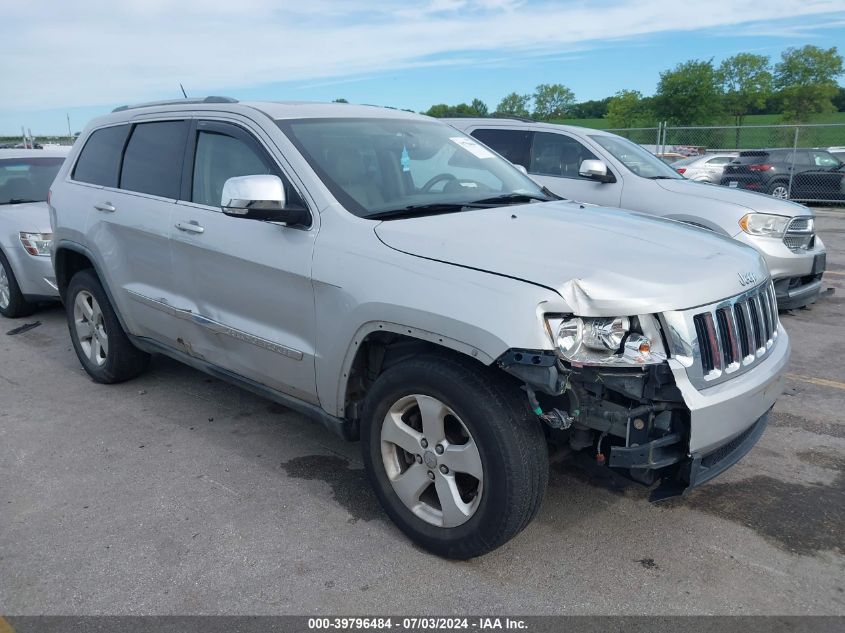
x=659 y=130
x=792 y=167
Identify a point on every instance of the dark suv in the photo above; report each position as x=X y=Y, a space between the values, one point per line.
x=770 y=170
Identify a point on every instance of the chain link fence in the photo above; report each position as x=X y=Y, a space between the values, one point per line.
x=797 y=162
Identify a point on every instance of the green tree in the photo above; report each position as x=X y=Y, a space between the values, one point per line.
x=441 y=110
x=478 y=107
x=552 y=101
x=689 y=94
x=628 y=108
x=514 y=105
x=340 y=101
x=806 y=78
x=746 y=84
x=592 y=109
x=839 y=99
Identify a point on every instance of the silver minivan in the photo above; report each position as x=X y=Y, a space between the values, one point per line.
x=608 y=170
x=396 y=280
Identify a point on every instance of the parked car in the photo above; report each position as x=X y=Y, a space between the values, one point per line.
x=704 y=168
x=838 y=152
x=770 y=170
x=826 y=183
x=26 y=274
x=605 y=169
x=398 y=281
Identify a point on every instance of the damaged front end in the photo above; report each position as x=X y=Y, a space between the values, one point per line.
x=610 y=387
x=634 y=419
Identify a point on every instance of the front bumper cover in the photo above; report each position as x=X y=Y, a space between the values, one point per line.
x=689 y=471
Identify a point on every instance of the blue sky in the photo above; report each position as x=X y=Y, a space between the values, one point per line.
x=83 y=57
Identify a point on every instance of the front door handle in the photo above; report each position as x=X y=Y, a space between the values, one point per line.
x=190 y=227
x=108 y=207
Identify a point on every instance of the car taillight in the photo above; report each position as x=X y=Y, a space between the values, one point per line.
x=762 y=167
x=681 y=170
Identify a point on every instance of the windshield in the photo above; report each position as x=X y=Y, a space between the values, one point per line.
x=638 y=160
x=27 y=179
x=378 y=167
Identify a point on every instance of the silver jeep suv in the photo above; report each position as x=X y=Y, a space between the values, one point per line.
x=392 y=278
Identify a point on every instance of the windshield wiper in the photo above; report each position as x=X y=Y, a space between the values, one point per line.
x=662 y=178
x=511 y=198
x=19 y=201
x=414 y=210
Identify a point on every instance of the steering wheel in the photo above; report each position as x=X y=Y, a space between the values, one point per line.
x=438 y=178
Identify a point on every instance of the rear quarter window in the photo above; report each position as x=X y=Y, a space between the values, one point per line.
x=99 y=160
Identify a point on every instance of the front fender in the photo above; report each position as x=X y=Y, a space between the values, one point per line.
x=362 y=286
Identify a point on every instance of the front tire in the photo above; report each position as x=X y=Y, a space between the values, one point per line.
x=12 y=302
x=101 y=345
x=454 y=455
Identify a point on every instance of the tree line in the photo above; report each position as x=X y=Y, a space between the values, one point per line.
x=802 y=83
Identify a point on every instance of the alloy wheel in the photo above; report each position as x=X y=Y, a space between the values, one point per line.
x=780 y=192
x=90 y=329
x=432 y=461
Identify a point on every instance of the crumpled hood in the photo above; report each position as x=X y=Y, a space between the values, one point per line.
x=750 y=200
x=602 y=261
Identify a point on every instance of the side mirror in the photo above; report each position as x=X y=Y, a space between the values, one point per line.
x=260 y=198
x=595 y=170
x=521 y=168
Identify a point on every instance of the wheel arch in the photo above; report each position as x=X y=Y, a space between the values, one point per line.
x=379 y=345
x=71 y=257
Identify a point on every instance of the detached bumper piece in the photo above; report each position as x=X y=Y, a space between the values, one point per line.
x=687 y=472
x=653 y=455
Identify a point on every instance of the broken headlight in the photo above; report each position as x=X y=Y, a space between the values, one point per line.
x=607 y=340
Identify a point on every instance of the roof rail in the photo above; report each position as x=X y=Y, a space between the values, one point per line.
x=500 y=115
x=176 y=102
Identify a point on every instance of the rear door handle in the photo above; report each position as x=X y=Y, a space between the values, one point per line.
x=190 y=227
x=108 y=207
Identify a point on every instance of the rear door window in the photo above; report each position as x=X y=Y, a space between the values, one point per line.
x=153 y=159
x=515 y=145
x=99 y=160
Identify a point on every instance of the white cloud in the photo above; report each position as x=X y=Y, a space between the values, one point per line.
x=81 y=52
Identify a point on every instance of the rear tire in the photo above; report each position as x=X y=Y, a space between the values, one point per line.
x=779 y=190
x=101 y=345
x=436 y=412
x=12 y=302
